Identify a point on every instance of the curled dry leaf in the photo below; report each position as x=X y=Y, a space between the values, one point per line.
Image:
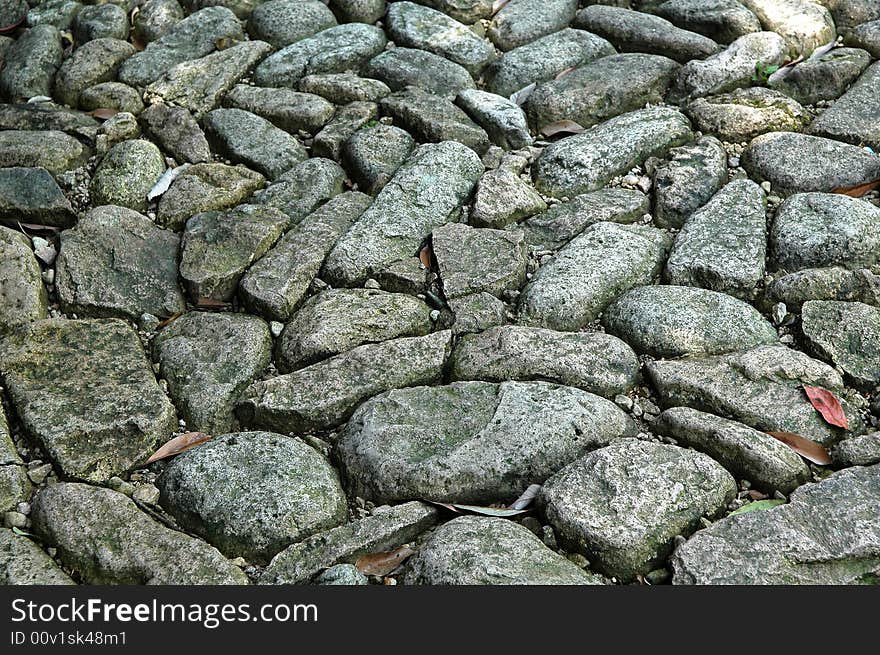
x=500 y=512
x=498 y=5
x=103 y=113
x=859 y=190
x=527 y=497
x=179 y=444
x=168 y=320
x=385 y=562
x=827 y=404
x=425 y=256
x=519 y=97
x=810 y=450
x=165 y=181
x=563 y=72
x=562 y=127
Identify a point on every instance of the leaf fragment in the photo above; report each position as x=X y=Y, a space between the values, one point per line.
x=827 y=404
x=383 y=563
x=498 y=5
x=425 y=256
x=859 y=190
x=564 y=72
x=165 y=181
x=562 y=127
x=179 y=444
x=519 y=97
x=20 y=532
x=527 y=497
x=210 y=303
x=757 y=506
x=499 y=512
x=807 y=449
x=103 y=113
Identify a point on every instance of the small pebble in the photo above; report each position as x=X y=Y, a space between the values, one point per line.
x=275 y=328
x=39 y=474
x=15 y=520
x=146 y=493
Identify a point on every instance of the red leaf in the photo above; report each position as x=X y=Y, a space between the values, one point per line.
x=803 y=447
x=383 y=563
x=562 y=127
x=859 y=190
x=827 y=405
x=179 y=444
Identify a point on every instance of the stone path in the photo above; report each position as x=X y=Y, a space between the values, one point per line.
x=390 y=254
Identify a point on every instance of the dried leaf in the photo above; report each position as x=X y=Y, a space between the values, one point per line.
x=11 y=28
x=859 y=190
x=754 y=494
x=383 y=563
x=138 y=44
x=103 y=113
x=37 y=99
x=519 y=97
x=179 y=444
x=804 y=447
x=562 y=127
x=822 y=49
x=563 y=72
x=500 y=512
x=165 y=181
x=210 y=303
x=168 y=320
x=20 y=532
x=498 y=5
x=527 y=497
x=758 y=505
x=425 y=256
x=827 y=404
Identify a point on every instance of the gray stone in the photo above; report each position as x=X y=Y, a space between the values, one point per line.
x=402 y=67
x=794 y=163
x=477 y=312
x=290 y=110
x=865 y=36
x=632 y=31
x=118 y=263
x=746 y=113
x=851 y=13
x=804 y=25
x=241 y=8
x=177 y=132
x=333 y=50
x=208 y=359
x=125 y=546
x=127 y=174
x=833 y=283
x=848 y=335
x=466 y=11
x=344 y=124
x=425 y=193
x=595 y=362
x=31 y=194
x=414 y=26
x=826 y=534
x=195 y=36
x=693 y=174
x=30 y=64
x=155 y=19
x=433 y=119
x=855 y=117
x=13 y=12
x=275 y=285
x=359 y=11
x=337 y=320
x=732 y=68
x=623 y=505
x=825 y=229
x=502 y=197
x=481 y=550
x=200 y=84
x=373 y=155
x=671 y=321
x=342 y=574
x=601 y=90
x=387 y=528
x=722 y=246
x=219 y=246
x=487 y=441
x=471 y=260
x=111 y=95
x=862 y=450
x=325 y=394
x=503 y=120
x=57 y=13
x=22 y=562
x=595 y=267
x=282 y=22
x=203 y=188
x=747 y=453
x=543 y=59
x=825 y=77
x=588 y=161
x=251 y=494
x=103 y=411
x=406 y=275
x=47 y=116
x=342 y=88
x=762 y=388
x=558 y=225
x=93 y=62
x=100 y=21
x=23 y=297
x=721 y=20
x=522 y=21
x=55 y=151
x=251 y=140
x=304 y=187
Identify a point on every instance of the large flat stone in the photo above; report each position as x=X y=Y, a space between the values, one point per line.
x=855 y=117
x=23 y=297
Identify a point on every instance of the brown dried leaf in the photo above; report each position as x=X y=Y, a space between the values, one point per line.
x=562 y=127
x=804 y=447
x=827 y=404
x=179 y=444
x=564 y=72
x=385 y=562
x=859 y=190
x=425 y=256
x=103 y=113
x=210 y=303
x=168 y=320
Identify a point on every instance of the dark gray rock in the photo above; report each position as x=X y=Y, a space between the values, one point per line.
x=290 y=110
x=722 y=246
x=100 y=21
x=823 y=78
x=155 y=19
x=502 y=198
x=118 y=263
x=92 y=63
x=855 y=117
x=55 y=151
x=373 y=154
x=833 y=283
x=30 y=64
x=750 y=454
x=23 y=562
x=595 y=267
x=344 y=124
x=693 y=174
x=126 y=174
x=208 y=359
x=623 y=505
x=477 y=312
x=359 y=11
x=595 y=362
x=848 y=335
x=282 y=22
x=342 y=88
x=721 y=20
x=126 y=546
x=402 y=67
x=466 y=11
x=57 y=13
x=851 y=13
x=33 y=195
x=746 y=113
x=862 y=450
x=23 y=297
x=826 y=534
x=251 y=494
x=103 y=412
x=503 y=120
x=522 y=21
x=47 y=116
x=111 y=95
x=304 y=187
x=865 y=36
x=487 y=443
x=177 y=132
x=325 y=394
